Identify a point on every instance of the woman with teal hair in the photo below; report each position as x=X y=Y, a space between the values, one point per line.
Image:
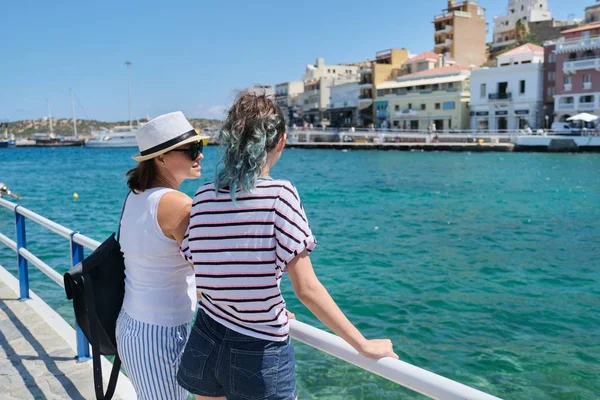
x=246 y=231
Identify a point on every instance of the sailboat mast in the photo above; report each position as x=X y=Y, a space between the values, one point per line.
x=128 y=63
x=73 y=112
x=49 y=115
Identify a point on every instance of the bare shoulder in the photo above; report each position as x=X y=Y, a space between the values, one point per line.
x=174 y=214
x=175 y=199
x=174 y=205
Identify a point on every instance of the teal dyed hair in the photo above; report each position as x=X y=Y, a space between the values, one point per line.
x=253 y=127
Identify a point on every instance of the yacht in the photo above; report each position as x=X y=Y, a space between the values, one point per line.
x=118 y=137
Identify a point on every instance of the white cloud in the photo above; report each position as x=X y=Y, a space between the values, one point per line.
x=214 y=111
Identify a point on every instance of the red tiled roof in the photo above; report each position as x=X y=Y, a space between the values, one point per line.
x=526 y=48
x=424 y=56
x=436 y=71
x=582 y=28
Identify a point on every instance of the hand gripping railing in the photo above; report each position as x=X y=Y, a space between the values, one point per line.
x=400 y=372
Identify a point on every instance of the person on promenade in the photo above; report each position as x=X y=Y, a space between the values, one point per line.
x=160 y=294
x=246 y=231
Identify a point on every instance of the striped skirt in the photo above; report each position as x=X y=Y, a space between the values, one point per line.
x=151 y=356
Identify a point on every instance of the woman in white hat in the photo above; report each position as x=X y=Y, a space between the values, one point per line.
x=160 y=293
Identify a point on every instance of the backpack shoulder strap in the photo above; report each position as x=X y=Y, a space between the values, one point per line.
x=121 y=217
x=90 y=304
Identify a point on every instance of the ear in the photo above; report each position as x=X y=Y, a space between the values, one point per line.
x=281 y=143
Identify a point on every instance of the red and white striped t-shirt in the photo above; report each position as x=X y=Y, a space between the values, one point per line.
x=240 y=251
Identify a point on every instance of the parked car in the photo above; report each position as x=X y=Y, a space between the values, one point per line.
x=565 y=128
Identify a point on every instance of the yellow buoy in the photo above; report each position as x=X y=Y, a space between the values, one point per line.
x=75 y=196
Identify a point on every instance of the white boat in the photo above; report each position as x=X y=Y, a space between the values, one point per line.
x=118 y=137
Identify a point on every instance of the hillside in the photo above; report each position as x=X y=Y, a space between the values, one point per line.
x=64 y=126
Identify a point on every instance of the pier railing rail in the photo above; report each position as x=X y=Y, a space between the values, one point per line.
x=400 y=372
x=391 y=135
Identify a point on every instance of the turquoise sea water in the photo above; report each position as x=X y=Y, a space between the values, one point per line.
x=484 y=268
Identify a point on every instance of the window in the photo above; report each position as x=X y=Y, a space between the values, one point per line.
x=551 y=76
x=586 y=99
x=551 y=91
x=522 y=7
x=450 y=85
x=483 y=90
x=396 y=107
x=437 y=106
x=410 y=106
x=423 y=107
x=587 y=78
x=521 y=87
x=567 y=80
x=552 y=58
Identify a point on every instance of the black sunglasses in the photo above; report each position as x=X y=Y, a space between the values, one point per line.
x=194 y=150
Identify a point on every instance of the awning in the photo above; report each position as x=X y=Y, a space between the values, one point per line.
x=421 y=82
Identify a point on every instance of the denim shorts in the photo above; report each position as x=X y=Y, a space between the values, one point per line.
x=218 y=361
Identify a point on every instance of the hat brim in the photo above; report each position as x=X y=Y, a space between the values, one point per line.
x=197 y=138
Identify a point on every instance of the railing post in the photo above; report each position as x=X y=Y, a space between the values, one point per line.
x=83 y=346
x=22 y=261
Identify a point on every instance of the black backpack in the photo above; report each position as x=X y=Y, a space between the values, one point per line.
x=97 y=287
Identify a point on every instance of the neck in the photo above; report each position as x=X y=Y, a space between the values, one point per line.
x=266 y=170
x=166 y=181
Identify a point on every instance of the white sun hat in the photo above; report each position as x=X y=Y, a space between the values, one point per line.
x=164 y=133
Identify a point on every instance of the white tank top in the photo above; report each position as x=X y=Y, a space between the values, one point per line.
x=159 y=283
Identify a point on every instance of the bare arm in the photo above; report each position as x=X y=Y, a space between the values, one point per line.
x=174 y=215
x=315 y=297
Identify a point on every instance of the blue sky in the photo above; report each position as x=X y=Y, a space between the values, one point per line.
x=192 y=55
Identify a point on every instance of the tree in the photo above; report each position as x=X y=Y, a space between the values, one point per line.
x=521 y=31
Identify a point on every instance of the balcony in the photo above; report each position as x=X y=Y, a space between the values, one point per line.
x=570 y=67
x=446 y=29
x=587 y=85
x=447 y=43
x=586 y=106
x=566 y=106
x=568 y=87
x=500 y=96
x=464 y=14
x=567 y=46
x=365 y=84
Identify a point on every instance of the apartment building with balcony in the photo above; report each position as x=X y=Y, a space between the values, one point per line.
x=318 y=79
x=528 y=11
x=577 y=87
x=509 y=96
x=549 y=83
x=343 y=108
x=286 y=98
x=385 y=67
x=418 y=100
x=459 y=32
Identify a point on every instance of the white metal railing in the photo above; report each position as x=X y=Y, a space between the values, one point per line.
x=564 y=45
x=579 y=65
x=566 y=106
x=586 y=106
x=402 y=373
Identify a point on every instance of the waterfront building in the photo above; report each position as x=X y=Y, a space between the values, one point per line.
x=437 y=95
x=577 y=86
x=509 y=96
x=527 y=11
x=459 y=33
x=318 y=80
x=343 y=110
x=286 y=97
x=385 y=67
